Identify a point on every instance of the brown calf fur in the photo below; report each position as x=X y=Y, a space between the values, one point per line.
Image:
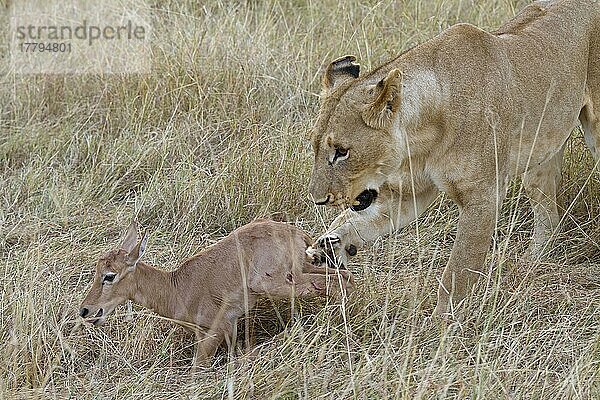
x=210 y=291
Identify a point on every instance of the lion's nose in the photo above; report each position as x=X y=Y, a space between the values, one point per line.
x=325 y=201
x=83 y=312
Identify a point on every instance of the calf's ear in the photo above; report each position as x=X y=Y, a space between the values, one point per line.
x=131 y=237
x=137 y=252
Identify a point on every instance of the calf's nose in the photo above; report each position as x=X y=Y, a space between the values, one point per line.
x=325 y=201
x=83 y=312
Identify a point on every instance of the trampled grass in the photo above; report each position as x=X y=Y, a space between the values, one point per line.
x=215 y=137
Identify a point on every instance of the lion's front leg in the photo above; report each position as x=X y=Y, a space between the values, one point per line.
x=352 y=230
x=465 y=266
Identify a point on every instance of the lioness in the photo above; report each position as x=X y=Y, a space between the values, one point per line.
x=460 y=113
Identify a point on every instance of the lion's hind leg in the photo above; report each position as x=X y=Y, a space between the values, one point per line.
x=590 y=122
x=541 y=183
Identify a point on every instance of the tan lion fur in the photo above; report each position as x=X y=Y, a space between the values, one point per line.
x=461 y=113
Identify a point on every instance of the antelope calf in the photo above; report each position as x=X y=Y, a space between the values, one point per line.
x=210 y=291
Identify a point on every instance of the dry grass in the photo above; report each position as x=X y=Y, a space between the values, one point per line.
x=213 y=138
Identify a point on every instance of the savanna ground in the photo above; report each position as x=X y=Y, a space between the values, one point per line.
x=214 y=137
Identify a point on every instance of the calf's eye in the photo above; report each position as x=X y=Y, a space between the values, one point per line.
x=108 y=278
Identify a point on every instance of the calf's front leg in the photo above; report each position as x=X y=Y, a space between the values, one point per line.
x=306 y=282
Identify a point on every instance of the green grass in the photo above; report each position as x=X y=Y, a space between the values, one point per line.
x=214 y=137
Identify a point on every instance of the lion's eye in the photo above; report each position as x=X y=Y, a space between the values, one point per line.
x=109 y=277
x=340 y=154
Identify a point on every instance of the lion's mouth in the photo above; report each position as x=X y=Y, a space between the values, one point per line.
x=364 y=200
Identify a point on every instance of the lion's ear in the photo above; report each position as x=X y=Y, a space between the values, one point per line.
x=339 y=71
x=380 y=113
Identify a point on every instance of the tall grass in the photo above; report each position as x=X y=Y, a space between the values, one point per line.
x=215 y=137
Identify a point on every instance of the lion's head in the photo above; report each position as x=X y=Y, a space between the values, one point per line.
x=353 y=139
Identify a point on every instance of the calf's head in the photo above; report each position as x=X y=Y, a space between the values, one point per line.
x=114 y=279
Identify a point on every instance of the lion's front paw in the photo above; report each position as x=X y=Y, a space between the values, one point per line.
x=330 y=249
